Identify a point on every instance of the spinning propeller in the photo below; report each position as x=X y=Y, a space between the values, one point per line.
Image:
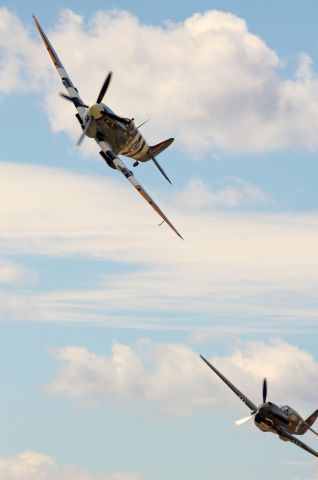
x=89 y=117
x=243 y=420
x=104 y=88
x=101 y=95
x=94 y=109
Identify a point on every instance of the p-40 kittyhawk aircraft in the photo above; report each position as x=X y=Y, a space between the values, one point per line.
x=115 y=135
x=268 y=417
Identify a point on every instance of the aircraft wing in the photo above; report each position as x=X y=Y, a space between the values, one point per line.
x=67 y=82
x=121 y=167
x=288 y=436
x=237 y=392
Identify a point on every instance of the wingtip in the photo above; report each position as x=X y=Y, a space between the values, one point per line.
x=205 y=361
x=38 y=26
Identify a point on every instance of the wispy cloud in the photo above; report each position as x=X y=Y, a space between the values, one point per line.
x=231 y=266
x=197 y=194
x=14 y=274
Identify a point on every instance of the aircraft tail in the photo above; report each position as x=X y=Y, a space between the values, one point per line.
x=160 y=147
x=312 y=418
x=155 y=150
x=307 y=424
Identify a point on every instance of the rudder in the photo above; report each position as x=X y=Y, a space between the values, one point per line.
x=312 y=418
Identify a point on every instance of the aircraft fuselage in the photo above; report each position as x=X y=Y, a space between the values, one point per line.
x=120 y=133
x=269 y=416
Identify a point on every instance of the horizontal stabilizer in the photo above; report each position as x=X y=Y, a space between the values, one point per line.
x=310 y=421
x=160 y=147
x=161 y=169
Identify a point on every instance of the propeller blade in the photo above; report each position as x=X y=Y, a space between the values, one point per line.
x=104 y=88
x=70 y=99
x=86 y=127
x=264 y=390
x=240 y=422
x=66 y=97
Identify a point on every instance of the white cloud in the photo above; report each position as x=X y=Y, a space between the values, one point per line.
x=60 y=205
x=233 y=100
x=31 y=465
x=15 y=306
x=21 y=67
x=197 y=194
x=231 y=266
x=13 y=274
x=173 y=378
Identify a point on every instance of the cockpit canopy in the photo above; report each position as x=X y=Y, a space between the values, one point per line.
x=288 y=410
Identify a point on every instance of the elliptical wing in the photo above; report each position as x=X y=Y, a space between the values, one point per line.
x=67 y=82
x=121 y=167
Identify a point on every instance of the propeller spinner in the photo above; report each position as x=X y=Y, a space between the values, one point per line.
x=95 y=110
x=243 y=420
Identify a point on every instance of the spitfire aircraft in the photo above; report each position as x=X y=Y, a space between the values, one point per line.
x=114 y=135
x=268 y=417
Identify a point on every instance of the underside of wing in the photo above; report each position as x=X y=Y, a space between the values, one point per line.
x=71 y=90
x=108 y=154
x=115 y=161
x=237 y=392
x=148 y=198
x=130 y=176
x=288 y=436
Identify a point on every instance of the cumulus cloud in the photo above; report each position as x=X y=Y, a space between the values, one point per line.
x=21 y=67
x=231 y=266
x=234 y=100
x=173 y=377
x=31 y=465
x=197 y=194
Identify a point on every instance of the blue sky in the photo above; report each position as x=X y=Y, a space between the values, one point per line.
x=102 y=313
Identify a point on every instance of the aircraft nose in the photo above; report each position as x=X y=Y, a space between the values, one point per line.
x=95 y=111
